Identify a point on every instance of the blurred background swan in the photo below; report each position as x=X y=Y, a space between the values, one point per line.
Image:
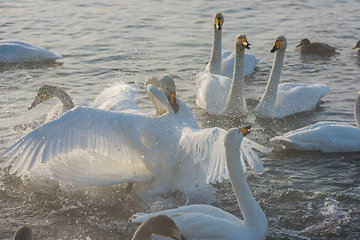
x=221 y=95
x=201 y=221
x=325 y=136
x=169 y=152
x=357 y=45
x=222 y=63
x=20 y=52
x=286 y=99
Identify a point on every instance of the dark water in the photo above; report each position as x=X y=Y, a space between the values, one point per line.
x=305 y=195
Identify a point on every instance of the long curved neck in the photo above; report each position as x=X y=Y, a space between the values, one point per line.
x=215 y=59
x=269 y=97
x=254 y=217
x=154 y=81
x=142 y=233
x=236 y=105
x=64 y=98
x=357 y=110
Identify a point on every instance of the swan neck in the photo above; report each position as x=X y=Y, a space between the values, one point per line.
x=357 y=110
x=65 y=99
x=269 y=97
x=142 y=233
x=215 y=58
x=236 y=104
x=254 y=217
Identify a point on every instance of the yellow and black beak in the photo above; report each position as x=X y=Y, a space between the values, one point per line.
x=173 y=101
x=276 y=47
x=245 y=130
x=218 y=23
x=245 y=42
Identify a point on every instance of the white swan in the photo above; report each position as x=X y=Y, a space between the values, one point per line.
x=19 y=52
x=286 y=99
x=325 y=136
x=170 y=151
x=222 y=95
x=222 y=63
x=160 y=225
x=200 y=221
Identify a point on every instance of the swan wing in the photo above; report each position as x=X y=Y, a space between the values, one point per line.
x=112 y=134
x=213 y=91
x=117 y=97
x=323 y=136
x=83 y=168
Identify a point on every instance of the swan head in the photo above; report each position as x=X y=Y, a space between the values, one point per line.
x=44 y=93
x=304 y=42
x=218 y=20
x=162 y=225
x=357 y=45
x=167 y=85
x=234 y=136
x=241 y=42
x=280 y=43
x=22 y=233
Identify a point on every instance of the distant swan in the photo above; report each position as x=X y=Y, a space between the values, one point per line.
x=160 y=225
x=169 y=151
x=222 y=63
x=201 y=221
x=315 y=48
x=19 y=52
x=222 y=95
x=286 y=99
x=325 y=136
x=357 y=46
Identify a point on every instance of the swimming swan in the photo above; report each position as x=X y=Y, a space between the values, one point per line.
x=201 y=221
x=19 y=52
x=169 y=151
x=222 y=95
x=325 y=136
x=286 y=99
x=317 y=48
x=160 y=225
x=222 y=63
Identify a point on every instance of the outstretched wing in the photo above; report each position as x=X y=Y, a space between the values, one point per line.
x=118 y=97
x=113 y=134
x=202 y=160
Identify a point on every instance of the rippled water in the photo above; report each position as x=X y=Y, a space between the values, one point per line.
x=305 y=195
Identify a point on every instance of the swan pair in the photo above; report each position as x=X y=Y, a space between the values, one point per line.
x=201 y=221
x=325 y=136
x=168 y=152
x=20 y=52
x=225 y=97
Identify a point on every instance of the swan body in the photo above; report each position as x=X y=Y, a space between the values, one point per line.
x=19 y=52
x=201 y=221
x=169 y=151
x=286 y=99
x=160 y=225
x=222 y=63
x=316 y=48
x=325 y=136
x=221 y=95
